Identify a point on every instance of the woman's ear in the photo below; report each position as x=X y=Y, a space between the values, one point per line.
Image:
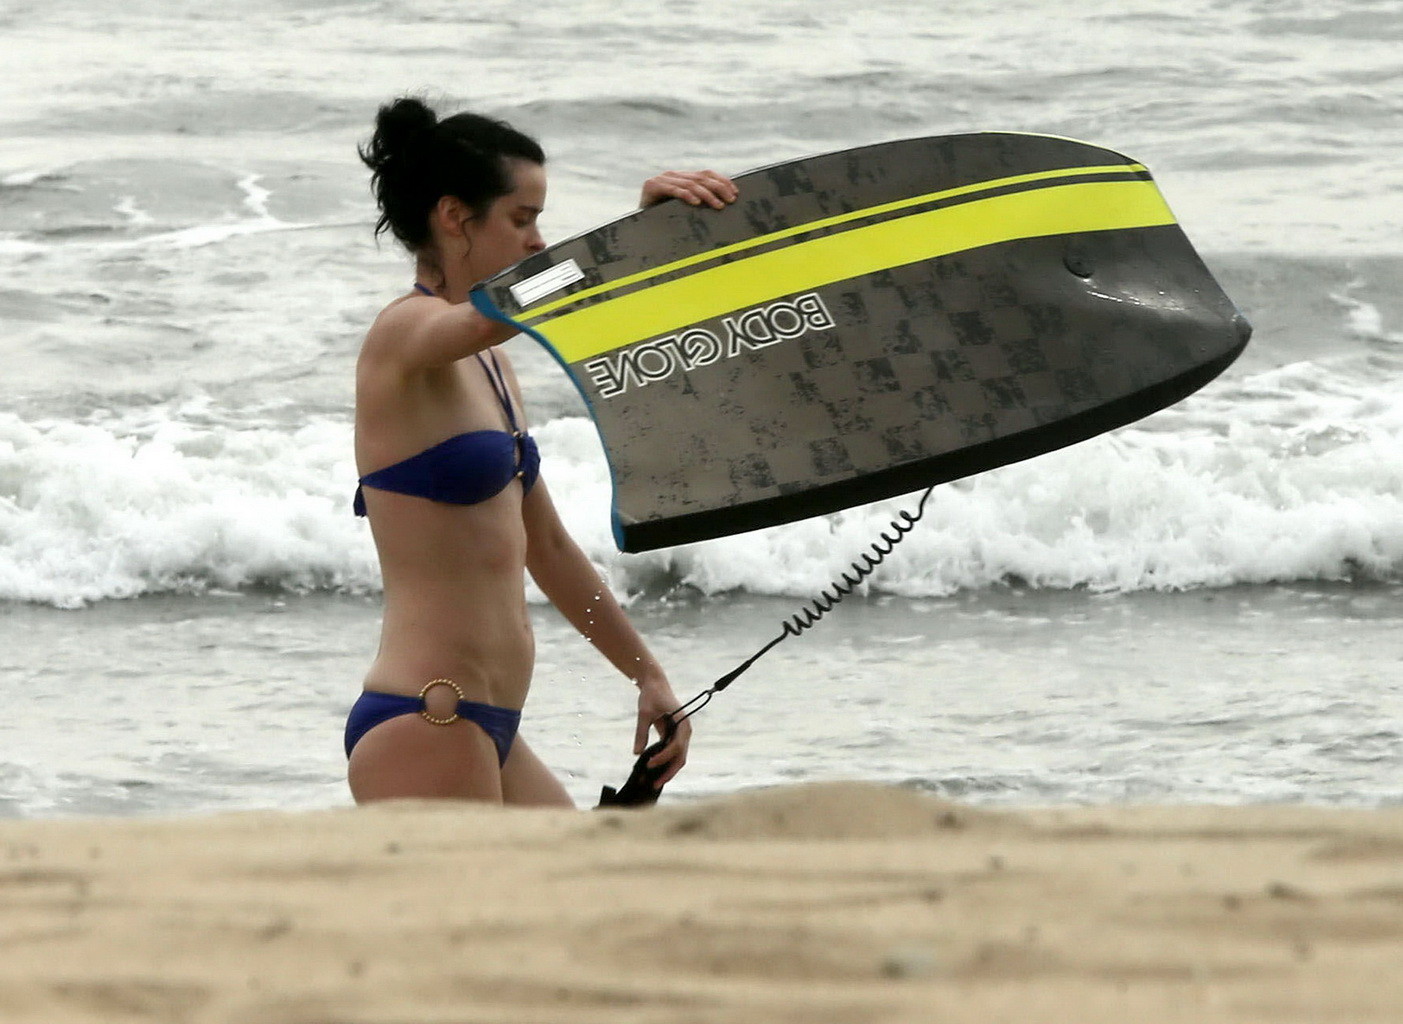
x=451 y=215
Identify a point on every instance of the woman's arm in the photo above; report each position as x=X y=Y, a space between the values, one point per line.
x=425 y=331
x=568 y=578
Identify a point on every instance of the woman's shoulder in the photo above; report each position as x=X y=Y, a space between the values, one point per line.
x=384 y=340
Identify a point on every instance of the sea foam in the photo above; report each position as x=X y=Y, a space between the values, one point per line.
x=1304 y=483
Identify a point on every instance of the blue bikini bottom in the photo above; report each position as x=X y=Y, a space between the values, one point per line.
x=374 y=707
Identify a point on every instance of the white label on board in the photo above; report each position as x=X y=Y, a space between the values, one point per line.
x=538 y=286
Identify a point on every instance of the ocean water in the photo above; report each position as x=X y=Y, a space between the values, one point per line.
x=1202 y=605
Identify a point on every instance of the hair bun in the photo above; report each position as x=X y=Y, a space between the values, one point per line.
x=403 y=130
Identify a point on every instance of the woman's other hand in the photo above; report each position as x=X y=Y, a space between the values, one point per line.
x=656 y=699
x=695 y=188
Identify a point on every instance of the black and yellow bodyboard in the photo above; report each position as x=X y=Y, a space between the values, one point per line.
x=864 y=323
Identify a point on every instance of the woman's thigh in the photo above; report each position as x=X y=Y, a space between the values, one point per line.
x=527 y=782
x=407 y=758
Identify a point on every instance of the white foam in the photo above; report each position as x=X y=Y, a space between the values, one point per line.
x=203 y=234
x=255 y=201
x=1293 y=474
x=101 y=511
x=12 y=246
x=18 y=179
x=252 y=216
x=255 y=196
x=1313 y=493
x=1362 y=319
x=135 y=215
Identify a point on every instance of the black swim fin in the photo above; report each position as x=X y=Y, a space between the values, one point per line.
x=639 y=790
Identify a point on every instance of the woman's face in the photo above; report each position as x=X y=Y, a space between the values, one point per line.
x=508 y=231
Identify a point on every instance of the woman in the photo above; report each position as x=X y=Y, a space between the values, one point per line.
x=451 y=483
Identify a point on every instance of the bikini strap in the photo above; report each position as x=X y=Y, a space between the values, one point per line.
x=420 y=288
x=499 y=385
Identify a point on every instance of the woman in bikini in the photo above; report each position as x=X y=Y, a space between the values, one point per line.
x=451 y=484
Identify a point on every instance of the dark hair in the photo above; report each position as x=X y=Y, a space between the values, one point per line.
x=418 y=159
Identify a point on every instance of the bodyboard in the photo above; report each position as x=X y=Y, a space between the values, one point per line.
x=864 y=323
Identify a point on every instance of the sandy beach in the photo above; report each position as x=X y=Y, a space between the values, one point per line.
x=1157 y=672
x=833 y=902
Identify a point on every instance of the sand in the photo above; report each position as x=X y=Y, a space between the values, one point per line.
x=833 y=902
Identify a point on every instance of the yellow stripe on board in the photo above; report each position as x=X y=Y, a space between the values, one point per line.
x=529 y=315
x=665 y=308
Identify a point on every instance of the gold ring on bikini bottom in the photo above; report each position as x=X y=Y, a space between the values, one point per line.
x=424 y=711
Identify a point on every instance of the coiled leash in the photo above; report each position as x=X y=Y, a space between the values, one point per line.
x=640 y=789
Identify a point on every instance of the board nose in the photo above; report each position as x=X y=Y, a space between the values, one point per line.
x=1243 y=328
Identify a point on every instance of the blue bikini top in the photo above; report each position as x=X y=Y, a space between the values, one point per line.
x=465 y=469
